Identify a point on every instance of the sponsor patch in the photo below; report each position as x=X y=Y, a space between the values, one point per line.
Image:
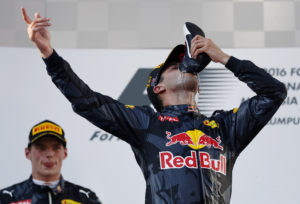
x=212 y=124
x=195 y=139
x=68 y=201
x=46 y=127
x=130 y=106
x=163 y=118
x=169 y=161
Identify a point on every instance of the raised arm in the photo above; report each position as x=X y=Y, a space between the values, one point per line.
x=252 y=115
x=126 y=122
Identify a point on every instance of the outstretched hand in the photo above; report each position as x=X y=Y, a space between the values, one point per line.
x=38 y=32
x=201 y=44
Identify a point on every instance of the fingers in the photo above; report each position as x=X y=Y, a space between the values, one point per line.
x=41 y=22
x=37 y=26
x=25 y=16
x=37 y=15
x=197 y=52
x=199 y=45
x=198 y=37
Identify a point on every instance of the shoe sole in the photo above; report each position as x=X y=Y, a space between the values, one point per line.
x=190 y=30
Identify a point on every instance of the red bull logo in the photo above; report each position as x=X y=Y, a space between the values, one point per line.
x=183 y=138
x=195 y=139
x=169 y=161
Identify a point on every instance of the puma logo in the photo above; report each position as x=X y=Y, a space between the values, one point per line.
x=8 y=192
x=84 y=192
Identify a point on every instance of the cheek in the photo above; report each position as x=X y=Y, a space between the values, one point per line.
x=61 y=156
x=36 y=160
x=174 y=78
x=34 y=156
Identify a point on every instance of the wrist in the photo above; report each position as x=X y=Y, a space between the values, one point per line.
x=224 y=59
x=46 y=52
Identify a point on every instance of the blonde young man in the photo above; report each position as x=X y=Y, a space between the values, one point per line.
x=47 y=150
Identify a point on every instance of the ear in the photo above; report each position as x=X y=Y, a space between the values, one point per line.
x=65 y=153
x=27 y=153
x=159 y=88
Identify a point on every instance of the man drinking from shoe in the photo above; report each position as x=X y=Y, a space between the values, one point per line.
x=186 y=157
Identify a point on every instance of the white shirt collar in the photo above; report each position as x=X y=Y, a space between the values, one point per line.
x=50 y=184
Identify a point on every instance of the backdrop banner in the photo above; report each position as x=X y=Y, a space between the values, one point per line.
x=265 y=172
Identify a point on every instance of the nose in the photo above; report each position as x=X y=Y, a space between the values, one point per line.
x=49 y=152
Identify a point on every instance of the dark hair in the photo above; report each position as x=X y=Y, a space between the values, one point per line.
x=175 y=55
x=161 y=78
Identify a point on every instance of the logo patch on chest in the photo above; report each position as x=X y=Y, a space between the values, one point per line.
x=169 y=161
x=195 y=139
x=163 y=118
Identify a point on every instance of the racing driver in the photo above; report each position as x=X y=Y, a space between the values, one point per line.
x=186 y=157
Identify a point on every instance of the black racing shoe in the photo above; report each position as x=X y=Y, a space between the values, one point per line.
x=189 y=64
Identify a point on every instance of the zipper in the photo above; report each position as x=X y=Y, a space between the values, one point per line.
x=50 y=198
x=197 y=119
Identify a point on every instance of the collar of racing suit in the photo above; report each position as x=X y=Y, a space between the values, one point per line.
x=55 y=191
x=181 y=108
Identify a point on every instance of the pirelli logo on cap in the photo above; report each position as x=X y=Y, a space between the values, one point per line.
x=46 y=127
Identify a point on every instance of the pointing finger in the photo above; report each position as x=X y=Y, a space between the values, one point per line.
x=25 y=16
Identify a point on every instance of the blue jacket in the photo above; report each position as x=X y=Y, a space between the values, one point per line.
x=186 y=157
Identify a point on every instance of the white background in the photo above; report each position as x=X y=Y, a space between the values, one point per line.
x=266 y=172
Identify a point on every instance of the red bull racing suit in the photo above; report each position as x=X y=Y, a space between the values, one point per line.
x=27 y=192
x=185 y=156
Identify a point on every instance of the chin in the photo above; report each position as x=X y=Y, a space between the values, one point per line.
x=189 y=82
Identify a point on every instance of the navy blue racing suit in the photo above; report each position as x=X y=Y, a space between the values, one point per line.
x=27 y=192
x=186 y=157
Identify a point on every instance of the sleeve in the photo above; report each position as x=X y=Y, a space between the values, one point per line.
x=127 y=122
x=253 y=114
